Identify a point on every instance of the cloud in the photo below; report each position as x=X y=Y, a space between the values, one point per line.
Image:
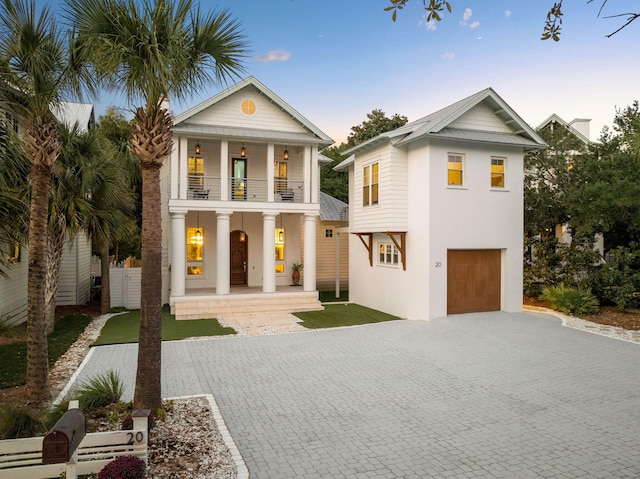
x=507 y=13
x=448 y=56
x=467 y=14
x=274 y=55
x=431 y=25
x=474 y=25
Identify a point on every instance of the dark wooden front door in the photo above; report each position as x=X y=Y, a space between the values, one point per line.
x=473 y=281
x=238 y=253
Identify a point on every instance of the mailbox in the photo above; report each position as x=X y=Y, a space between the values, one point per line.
x=65 y=437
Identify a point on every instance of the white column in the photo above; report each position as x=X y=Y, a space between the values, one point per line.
x=269 y=253
x=174 y=168
x=223 y=266
x=178 y=253
x=307 y=174
x=224 y=170
x=315 y=175
x=183 y=171
x=270 y=172
x=309 y=253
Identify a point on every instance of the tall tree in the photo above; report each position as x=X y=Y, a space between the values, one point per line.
x=153 y=50
x=36 y=61
x=552 y=24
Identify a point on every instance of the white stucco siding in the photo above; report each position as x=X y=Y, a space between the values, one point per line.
x=266 y=117
x=480 y=117
x=390 y=214
x=476 y=217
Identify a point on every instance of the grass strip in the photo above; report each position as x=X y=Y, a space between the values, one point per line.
x=124 y=328
x=337 y=315
x=330 y=296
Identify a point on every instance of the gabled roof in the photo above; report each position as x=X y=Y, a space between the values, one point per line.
x=331 y=209
x=569 y=126
x=71 y=113
x=437 y=125
x=181 y=121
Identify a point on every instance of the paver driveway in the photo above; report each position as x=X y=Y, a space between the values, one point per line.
x=490 y=395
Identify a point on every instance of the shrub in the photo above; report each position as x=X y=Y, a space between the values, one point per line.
x=19 y=421
x=571 y=300
x=124 y=467
x=101 y=391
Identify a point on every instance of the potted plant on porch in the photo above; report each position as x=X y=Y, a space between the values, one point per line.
x=295 y=276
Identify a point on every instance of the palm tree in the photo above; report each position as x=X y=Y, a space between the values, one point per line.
x=152 y=50
x=36 y=62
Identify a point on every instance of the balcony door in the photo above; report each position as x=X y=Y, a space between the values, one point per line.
x=238 y=252
x=239 y=181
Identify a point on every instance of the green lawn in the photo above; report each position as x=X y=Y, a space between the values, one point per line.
x=330 y=296
x=123 y=328
x=336 y=315
x=13 y=357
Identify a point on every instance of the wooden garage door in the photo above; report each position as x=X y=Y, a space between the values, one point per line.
x=473 y=281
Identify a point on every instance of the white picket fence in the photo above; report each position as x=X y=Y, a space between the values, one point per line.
x=22 y=458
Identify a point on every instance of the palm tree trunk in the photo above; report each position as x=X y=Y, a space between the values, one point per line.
x=148 y=392
x=105 y=281
x=37 y=353
x=55 y=245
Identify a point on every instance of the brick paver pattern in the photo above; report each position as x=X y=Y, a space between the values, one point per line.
x=490 y=395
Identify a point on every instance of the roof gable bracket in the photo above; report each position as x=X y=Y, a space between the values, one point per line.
x=402 y=246
x=368 y=245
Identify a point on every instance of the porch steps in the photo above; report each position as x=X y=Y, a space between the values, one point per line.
x=221 y=306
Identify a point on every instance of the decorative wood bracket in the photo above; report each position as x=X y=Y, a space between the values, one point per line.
x=401 y=247
x=368 y=245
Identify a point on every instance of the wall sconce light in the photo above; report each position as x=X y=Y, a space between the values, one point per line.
x=198 y=148
x=243 y=235
x=243 y=151
x=286 y=153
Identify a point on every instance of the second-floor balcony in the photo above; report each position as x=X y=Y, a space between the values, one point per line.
x=244 y=189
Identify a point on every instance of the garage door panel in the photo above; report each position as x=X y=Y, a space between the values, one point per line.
x=473 y=281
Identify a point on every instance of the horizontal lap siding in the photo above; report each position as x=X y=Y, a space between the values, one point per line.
x=228 y=113
x=326 y=256
x=480 y=118
x=13 y=292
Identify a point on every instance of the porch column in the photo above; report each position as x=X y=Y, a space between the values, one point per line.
x=270 y=173
x=309 y=253
x=183 y=171
x=224 y=170
x=178 y=253
x=268 y=253
x=307 y=174
x=315 y=175
x=222 y=254
x=173 y=168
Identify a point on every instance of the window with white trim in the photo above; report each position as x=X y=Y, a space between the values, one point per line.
x=455 y=169
x=388 y=254
x=195 y=258
x=370 y=184
x=280 y=250
x=328 y=233
x=498 y=169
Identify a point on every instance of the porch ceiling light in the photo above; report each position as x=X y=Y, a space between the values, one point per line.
x=286 y=153
x=243 y=151
x=197 y=237
x=198 y=148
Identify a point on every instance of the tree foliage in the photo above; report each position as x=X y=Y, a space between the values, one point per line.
x=552 y=24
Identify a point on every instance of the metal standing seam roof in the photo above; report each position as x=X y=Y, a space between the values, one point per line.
x=235 y=132
x=331 y=208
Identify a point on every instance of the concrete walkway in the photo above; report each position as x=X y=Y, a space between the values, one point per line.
x=470 y=396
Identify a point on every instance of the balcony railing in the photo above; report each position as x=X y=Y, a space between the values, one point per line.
x=244 y=189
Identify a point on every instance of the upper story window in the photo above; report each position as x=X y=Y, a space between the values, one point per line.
x=370 y=185
x=498 y=166
x=279 y=176
x=248 y=107
x=388 y=254
x=455 y=169
x=195 y=169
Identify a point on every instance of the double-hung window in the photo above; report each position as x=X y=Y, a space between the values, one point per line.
x=370 y=184
x=388 y=254
x=498 y=166
x=279 y=176
x=455 y=172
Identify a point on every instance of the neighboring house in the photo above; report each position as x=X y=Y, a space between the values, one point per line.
x=332 y=244
x=241 y=187
x=436 y=212
x=579 y=128
x=75 y=274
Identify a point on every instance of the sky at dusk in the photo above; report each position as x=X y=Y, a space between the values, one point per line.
x=336 y=60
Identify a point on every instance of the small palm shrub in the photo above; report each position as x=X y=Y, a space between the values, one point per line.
x=571 y=300
x=19 y=421
x=124 y=467
x=101 y=391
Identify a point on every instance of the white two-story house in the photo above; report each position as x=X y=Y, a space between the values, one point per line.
x=241 y=198
x=436 y=212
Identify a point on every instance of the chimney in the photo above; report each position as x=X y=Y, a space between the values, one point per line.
x=582 y=125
